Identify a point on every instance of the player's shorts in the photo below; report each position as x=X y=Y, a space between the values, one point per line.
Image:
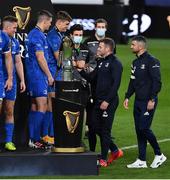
x=37 y=88
x=53 y=71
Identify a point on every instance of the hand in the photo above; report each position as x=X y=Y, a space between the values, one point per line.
x=8 y=84
x=104 y=105
x=126 y=103
x=151 y=105
x=50 y=80
x=22 y=86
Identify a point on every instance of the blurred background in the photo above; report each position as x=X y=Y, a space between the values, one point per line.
x=125 y=18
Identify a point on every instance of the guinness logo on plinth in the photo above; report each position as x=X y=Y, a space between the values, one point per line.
x=72 y=119
x=23 y=15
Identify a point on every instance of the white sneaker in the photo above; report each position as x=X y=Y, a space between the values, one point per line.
x=158 y=160
x=137 y=164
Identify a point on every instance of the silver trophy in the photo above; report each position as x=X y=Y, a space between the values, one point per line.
x=65 y=59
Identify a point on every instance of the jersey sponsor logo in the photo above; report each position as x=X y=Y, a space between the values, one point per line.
x=146 y=113
x=156 y=66
x=39 y=45
x=100 y=65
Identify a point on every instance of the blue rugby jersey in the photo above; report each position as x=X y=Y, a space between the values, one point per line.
x=54 y=39
x=15 y=50
x=5 y=46
x=35 y=41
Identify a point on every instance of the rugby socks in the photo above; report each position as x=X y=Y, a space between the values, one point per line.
x=9 y=128
x=51 y=125
x=31 y=120
x=46 y=123
x=38 y=119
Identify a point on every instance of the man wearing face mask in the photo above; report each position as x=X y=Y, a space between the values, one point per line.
x=80 y=51
x=93 y=43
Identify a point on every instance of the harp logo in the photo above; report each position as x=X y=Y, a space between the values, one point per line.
x=72 y=120
x=23 y=15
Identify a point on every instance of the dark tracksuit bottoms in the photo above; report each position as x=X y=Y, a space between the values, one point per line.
x=102 y=123
x=143 y=120
x=91 y=133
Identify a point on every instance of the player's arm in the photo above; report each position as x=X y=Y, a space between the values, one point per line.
x=20 y=72
x=43 y=65
x=9 y=68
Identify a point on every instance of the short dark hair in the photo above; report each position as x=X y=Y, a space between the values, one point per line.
x=139 y=38
x=43 y=13
x=100 y=20
x=108 y=42
x=76 y=27
x=63 y=15
x=10 y=19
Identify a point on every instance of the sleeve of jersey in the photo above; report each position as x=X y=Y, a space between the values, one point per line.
x=116 y=70
x=38 y=44
x=154 y=70
x=54 y=43
x=131 y=89
x=7 y=43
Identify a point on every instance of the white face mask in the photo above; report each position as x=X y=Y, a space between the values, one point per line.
x=77 y=39
x=100 y=31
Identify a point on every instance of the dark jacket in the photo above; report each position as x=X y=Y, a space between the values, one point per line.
x=107 y=76
x=145 y=79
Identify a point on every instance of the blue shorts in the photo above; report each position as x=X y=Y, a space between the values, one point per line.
x=2 y=90
x=11 y=94
x=51 y=89
x=37 y=88
x=53 y=70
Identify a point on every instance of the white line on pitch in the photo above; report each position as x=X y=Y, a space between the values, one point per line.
x=135 y=146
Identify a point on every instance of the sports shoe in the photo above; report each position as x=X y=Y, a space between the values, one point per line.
x=10 y=146
x=158 y=160
x=49 y=140
x=103 y=163
x=114 y=155
x=137 y=164
x=36 y=145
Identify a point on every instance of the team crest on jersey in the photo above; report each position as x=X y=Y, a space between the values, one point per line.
x=142 y=66
x=107 y=65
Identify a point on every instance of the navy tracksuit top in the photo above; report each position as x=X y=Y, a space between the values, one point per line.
x=107 y=76
x=145 y=80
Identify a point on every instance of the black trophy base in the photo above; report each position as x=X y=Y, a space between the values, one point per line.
x=28 y=162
